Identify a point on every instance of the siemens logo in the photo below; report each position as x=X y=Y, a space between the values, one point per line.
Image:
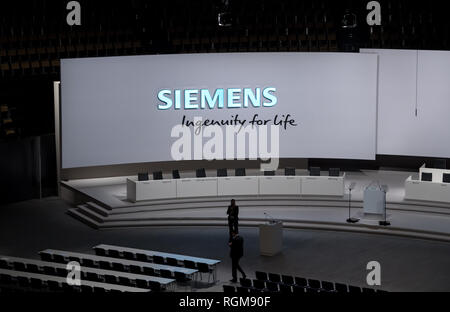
x=201 y=99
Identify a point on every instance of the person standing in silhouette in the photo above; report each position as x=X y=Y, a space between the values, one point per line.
x=233 y=218
x=236 y=252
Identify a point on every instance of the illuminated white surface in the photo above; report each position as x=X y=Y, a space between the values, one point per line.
x=109 y=107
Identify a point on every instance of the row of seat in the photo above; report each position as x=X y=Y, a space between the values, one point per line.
x=199 y=266
x=273 y=282
x=10 y=282
x=238 y=172
x=87 y=274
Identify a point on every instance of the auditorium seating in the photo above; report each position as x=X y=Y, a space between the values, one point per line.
x=286 y=284
x=115 y=270
x=222 y=172
x=200 y=173
x=157 y=175
x=239 y=172
x=202 y=265
x=314 y=171
x=175 y=174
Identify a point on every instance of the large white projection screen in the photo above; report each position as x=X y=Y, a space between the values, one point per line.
x=413 y=102
x=110 y=115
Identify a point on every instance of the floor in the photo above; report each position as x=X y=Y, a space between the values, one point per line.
x=406 y=264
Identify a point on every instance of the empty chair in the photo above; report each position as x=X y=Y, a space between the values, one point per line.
x=175 y=174
x=69 y=288
x=143 y=176
x=158 y=259
x=89 y=263
x=228 y=289
x=262 y=276
x=62 y=272
x=189 y=264
x=118 y=267
x=36 y=283
x=149 y=271
x=289 y=171
x=135 y=269
x=4 y=264
x=259 y=284
x=354 y=289
x=300 y=281
x=315 y=284
x=154 y=286
x=200 y=173
x=19 y=266
x=222 y=173
x=128 y=255
x=141 y=257
x=125 y=281
x=204 y=268
x=165 y=273
x=242 y=290
x=140 y=283
x=104 y=265
x=314 y=171
x=269 y=173
x=76 y=259
x=285 y=289
x=157 y=175
x=53 y=286
x=272 y=286
x=239 y=172
x=113 y=253
x=273 y=277
x=59 y=259
x=100 y=252
x=87 y=289
x=334 y=172
x=110 y=279
x=287 y=280
x=46 y=257
x=5 y=279
x=33 y=268
x=296 y=289
x=91 y=276
x=245 y=282
x=48 y=270
x=427 y=176
x=23 y=281
x=181 y=277
x=342 y=288
x=172 y=261
x=327 y=286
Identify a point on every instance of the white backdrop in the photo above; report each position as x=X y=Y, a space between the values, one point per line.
x=109 y=111
x=410 y=80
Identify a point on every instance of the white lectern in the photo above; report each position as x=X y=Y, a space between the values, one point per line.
x=374 y=199
x=270 y=238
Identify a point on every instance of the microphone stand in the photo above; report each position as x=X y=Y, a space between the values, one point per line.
x=385 y=222
x=350 y=219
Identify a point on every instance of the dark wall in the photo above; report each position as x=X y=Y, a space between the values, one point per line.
x=27 y=168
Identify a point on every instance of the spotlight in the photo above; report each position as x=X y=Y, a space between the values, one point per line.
x=224 y=18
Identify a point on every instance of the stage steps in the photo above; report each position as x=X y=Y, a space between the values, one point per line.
x=361 y=227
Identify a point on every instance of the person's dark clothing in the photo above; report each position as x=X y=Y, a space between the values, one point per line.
x=233 y=219
x=236 y=253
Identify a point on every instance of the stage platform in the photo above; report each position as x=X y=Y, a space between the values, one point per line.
x=102 y=204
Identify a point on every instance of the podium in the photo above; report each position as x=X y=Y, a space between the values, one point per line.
x=271 y=238
x=374 y=199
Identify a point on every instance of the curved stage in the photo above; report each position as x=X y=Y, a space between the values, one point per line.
x=104 y=206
